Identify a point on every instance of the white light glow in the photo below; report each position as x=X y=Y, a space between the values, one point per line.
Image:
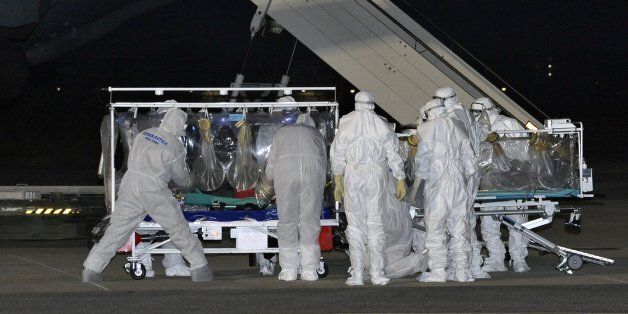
x=531 y=126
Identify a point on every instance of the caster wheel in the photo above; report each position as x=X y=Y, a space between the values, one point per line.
x=322 y=273
x=138 y=272
x=574 y=262
x=127 y=268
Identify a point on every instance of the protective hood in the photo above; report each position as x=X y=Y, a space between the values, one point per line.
x=451 y=102
x=436 y=113
x=364 y=100
x=426 y=112
x=306 y=119
x=286 y=99
x=448 y=95
x=174 y=122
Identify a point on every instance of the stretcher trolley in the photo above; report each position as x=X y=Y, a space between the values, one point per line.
x=529 y=172
x=249 y=220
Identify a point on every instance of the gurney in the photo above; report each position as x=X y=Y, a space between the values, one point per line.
x=250 y=228
x=556 y=172
x=249 y=220
x=532 y=171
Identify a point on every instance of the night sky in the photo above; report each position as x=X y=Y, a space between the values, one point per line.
x=51 y=137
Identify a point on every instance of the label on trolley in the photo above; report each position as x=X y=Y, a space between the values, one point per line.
x=212 y=233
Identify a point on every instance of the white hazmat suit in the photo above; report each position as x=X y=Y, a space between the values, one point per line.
x=362 y=148
x=476 y=132
x=297 y=165
x=156 y=158
x=441 y=155
x=517 y=242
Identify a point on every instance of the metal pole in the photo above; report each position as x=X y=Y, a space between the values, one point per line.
x=509 y=212
x=580 y=135
x=533 y=236
x=112 y=116
x=235 y=105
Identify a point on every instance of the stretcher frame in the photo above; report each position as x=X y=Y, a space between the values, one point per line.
x=544 y=204
x=202 y=228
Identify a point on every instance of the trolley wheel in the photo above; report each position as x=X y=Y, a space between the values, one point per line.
x=574 y=262
x=138 y=272
x=127 y=267
x=322 y=273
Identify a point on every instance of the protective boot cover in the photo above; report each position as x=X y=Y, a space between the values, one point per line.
x=202 y=274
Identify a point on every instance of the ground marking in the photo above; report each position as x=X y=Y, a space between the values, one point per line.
x=612 y=279
x=56 y=269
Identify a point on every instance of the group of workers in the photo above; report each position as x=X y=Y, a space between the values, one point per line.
x=447 y=159
x=364 y=150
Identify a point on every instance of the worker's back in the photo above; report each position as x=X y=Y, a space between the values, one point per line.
x=299 y=140
x=159 y=154
x=365 y=134
x=443 y=146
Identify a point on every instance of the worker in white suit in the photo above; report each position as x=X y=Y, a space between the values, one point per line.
x=517 y=242
x=442 y=152
x=156 y=158
x=363 y=149
x=476 y=131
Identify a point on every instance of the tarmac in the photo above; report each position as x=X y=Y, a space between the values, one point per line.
x=45 y=277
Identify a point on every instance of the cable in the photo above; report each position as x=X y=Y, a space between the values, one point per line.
x=246 y=56
x=296 y=41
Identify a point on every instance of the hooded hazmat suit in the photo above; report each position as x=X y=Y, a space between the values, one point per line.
x=517 y=242
x=362 y=148
x=442 y=158
x=476 y=132
x=156 y=158
x=297 y=165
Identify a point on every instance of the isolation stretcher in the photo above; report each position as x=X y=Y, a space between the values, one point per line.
x=250 y=222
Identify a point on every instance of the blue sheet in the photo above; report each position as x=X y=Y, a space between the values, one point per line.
x=236 y=215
